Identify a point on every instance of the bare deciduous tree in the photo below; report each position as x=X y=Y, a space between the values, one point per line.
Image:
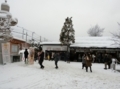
x=95 y=31
x=116 y=37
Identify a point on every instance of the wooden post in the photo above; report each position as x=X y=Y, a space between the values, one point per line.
x=26 y=41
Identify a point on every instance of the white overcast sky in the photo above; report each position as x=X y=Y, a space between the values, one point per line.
x=46 y=17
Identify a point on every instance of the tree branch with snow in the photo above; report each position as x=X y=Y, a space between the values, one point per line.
x=116 y=37
x=95 y=31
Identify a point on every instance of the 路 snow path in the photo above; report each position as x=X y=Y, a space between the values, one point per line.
x=68 y=76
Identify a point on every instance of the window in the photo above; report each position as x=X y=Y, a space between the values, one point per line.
x=14 y=48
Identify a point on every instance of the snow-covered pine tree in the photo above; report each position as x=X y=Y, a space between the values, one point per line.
x=67 y=33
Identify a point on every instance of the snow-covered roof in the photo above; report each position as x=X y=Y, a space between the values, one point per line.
x=106 y=42
x=19 y=38
x=100 y=42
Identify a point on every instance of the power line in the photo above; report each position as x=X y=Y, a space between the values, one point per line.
x=29 y=31
x=35 y=39
x=18 y=32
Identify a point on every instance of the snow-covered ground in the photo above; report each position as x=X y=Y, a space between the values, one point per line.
x=68 y=76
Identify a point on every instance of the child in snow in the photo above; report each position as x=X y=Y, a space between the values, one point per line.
x=113 y=64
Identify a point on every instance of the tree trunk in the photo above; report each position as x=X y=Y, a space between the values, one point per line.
x=68 y=53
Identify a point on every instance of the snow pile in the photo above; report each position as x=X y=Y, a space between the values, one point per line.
x=68 y=76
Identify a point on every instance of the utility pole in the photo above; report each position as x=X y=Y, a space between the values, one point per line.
x=40 y=38
x=23 y=33
x=26 y=41
x=32 y=40
x=32 y=35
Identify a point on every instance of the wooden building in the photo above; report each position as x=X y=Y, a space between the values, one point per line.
x=9 y=50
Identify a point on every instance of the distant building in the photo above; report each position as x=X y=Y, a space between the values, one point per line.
x=86 y=44
x=53 y=46
x=95 y=44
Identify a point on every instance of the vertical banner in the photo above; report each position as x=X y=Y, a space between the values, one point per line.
x=31 y=56
x=6 y=53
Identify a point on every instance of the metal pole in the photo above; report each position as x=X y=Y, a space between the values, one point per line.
x=32 y=35
x=40 y=38
x=26 y=40
x=32 y=40
x=23 y=33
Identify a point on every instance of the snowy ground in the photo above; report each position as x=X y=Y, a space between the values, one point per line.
x=68 y=76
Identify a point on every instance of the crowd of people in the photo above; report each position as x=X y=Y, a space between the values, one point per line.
x=87 y=59
x=110 y=61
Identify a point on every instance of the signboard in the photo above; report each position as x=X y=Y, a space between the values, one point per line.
x=6 y=53
x=57 y=48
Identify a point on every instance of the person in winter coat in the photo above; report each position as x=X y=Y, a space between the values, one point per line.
x=83 y=61
x=35 y=55
x=41 y=58
x=114 y=62
x=106 y=60
x=109 y=61
x=26 y=55
x=56 y=58
x=88 y=60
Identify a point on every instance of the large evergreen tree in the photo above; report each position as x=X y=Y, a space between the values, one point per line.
x=67 y=33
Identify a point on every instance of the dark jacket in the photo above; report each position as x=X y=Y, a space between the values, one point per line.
x=56 y=56
x=109 y=59
x=41 y=56
x=26 y=54
x=106 y=59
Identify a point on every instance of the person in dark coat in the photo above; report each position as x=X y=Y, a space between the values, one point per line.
x=41 y=58
x=56 y=58
x=26 y=55
x=88 y=60
x=109 y=61
x=106 y=59
x=35 y=55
